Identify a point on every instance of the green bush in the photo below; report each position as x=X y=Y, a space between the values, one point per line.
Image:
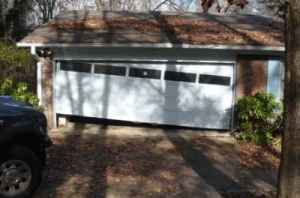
x=17 y=64
x=259 y=116
x=13 y=55
x=18 y=92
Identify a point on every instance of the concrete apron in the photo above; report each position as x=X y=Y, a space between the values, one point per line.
x=213 y=161
x=143 y=131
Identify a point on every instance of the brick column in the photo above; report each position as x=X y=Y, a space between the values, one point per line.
x=47 y=89
x=251 y=76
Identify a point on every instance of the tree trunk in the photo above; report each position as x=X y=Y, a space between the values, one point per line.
x=1 y=19
x=99 y=5
x=289 y=183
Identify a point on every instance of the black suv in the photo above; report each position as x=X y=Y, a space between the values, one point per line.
x=23 y=142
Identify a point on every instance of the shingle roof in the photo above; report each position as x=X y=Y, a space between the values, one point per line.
x=82 y=27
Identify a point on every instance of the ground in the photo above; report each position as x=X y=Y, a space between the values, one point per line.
x=105 y=161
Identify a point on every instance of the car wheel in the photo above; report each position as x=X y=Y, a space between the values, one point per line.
x=20 y=173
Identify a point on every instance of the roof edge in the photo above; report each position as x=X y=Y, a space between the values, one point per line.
x=155 y=45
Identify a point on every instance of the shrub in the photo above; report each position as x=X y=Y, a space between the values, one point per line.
x=17 y=64
x=18 y=92
x=259 y=116
x=14 y=55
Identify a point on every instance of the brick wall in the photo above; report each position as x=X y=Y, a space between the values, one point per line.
x=251 y=76
x=47 y=89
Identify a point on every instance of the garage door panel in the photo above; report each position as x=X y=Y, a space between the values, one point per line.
x=144 y=86
x=145 y=96
x=192 y=118
x=216 y=69
x=119 y=96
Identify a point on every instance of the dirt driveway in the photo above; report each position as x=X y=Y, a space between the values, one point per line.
x=93 y=161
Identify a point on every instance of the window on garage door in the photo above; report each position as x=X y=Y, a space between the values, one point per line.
x=214 y=80
x=76 y=67
x=110 y=70
x=145 y=73
x=180 y=76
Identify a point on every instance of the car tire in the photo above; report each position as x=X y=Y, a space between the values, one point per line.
x=21 y=172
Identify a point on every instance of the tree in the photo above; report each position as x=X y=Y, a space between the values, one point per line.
x=45 y=8
x=273 y=8
x=1 y=19
x=289 y=183
x=278 y=7
x=13 y=14
x=221 y=6
x=117 y=5
x=138 y=5
x=12 y=20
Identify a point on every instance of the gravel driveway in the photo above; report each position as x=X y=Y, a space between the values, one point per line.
x=96 y=161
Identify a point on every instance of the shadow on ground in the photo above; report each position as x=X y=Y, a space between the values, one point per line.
x=91 y=161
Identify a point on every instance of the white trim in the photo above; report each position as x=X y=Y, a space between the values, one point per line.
x=127 y=71
x=33 y=50
x=54 y=94
x=139 y=60
x=132 y=62
x=156 y=45
x=39 y=83
x=234 y=95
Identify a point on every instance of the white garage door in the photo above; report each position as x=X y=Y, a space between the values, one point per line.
x=193 y=95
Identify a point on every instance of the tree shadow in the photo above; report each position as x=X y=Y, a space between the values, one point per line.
x=261 y=26
x=88 y=162
x=225 y=177
x=76 y=165
x=205 y=168
x=166 y=28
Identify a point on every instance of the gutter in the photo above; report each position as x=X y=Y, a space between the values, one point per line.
x=33 y=46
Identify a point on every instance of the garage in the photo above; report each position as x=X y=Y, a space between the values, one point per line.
x=182 y=70
x=182 y=94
